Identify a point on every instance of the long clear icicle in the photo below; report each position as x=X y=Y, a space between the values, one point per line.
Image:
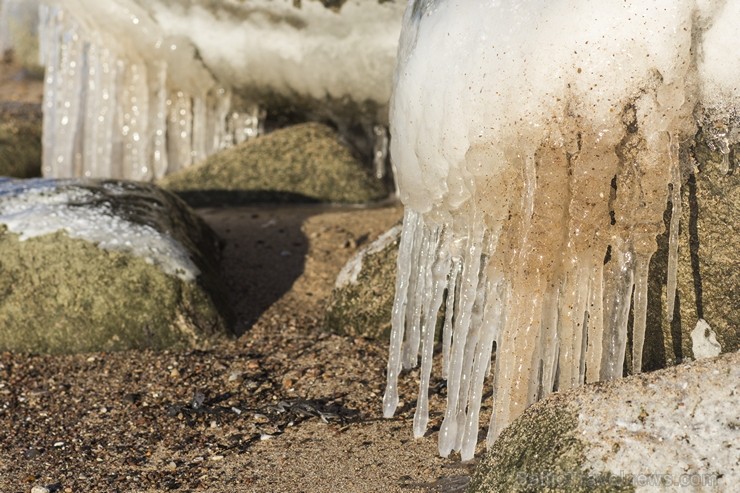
x=411 y=221
x=437 y=278
x=673 y=229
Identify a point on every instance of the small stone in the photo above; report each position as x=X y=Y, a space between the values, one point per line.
x=217 y=457
x=40 y=489
x=236 y=376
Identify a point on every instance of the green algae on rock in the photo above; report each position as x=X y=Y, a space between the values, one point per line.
x=675 y=427
x=305 y=162
x=362 y=300
x=20 y=140
x=104 y=265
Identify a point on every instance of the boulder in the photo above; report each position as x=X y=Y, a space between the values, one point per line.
x=20 y=139
x=90 y=265
x=362 y=300
x=708 y=275
x=671 y=429
x=304 y=163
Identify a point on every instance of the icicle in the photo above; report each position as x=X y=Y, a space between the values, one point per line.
x=490 y=326
x=594 y=348
x=437 y=277
x=673 y=228
x=123 y=108
x=158 y=119
x=448 y=434
x=405 y=263
x=556 y=193
x=414 y=306
x=453 y=293
x=617 y=294
x=380 y=150
x=640 y=310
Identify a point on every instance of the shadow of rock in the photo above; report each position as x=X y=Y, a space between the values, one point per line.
x=265 y=241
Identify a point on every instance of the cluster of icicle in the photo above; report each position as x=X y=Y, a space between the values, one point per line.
x=124 y=100
x=535 y=171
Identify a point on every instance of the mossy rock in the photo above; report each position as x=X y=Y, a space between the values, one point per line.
x=362 y=300
x=302 y=163
x=20 y=140
x=676 y=426
x=708 y=276
x=105 y=265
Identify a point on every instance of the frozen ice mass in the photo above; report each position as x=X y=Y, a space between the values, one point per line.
x=536 y=146
x=138 y=89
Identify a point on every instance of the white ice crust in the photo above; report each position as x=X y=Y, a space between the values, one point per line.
x=310 y=51
x=350 y=271
x=43 y=210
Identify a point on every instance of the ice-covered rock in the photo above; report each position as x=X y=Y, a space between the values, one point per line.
x=138 y=89
x=669 y=430
x=536 y=146
x=104 y=265
x=301 y=163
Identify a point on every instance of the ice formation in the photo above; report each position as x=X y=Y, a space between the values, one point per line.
x=536 y=145
x=122 y=98
x=18 y=30
x=137 y=88
x=88 y=212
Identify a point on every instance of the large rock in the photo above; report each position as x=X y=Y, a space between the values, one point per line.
x=708 y=277
x=672 y=428
x=20 y=139
x=362 y=300
x=104 y=265
x=306 y=162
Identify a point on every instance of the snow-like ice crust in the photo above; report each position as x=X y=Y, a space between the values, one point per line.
x=43 y=207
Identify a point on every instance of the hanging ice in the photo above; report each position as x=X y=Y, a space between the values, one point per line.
x=536 y=144
x=122 y=99
x=139 y=88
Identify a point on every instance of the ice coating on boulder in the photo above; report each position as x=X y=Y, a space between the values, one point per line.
x=94 y=212
x=536 y=146
x=137 y=89
x=122 y=98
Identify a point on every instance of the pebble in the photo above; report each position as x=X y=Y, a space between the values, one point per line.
x=40 y=489
x=236 y=376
